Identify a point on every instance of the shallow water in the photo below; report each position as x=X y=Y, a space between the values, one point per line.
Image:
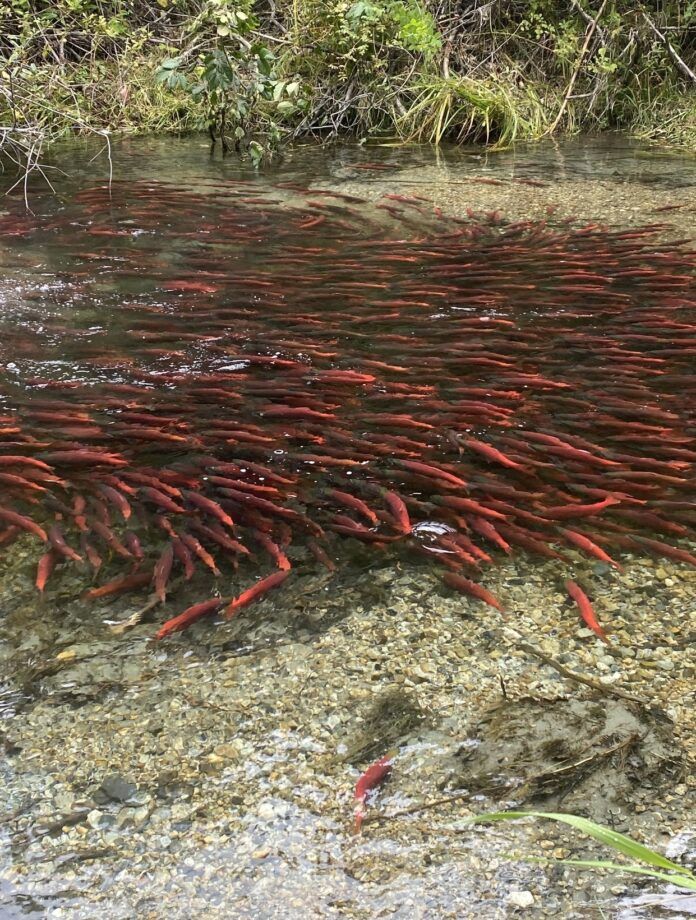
x=235 y=736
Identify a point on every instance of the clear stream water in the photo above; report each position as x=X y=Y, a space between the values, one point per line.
x=85 y=282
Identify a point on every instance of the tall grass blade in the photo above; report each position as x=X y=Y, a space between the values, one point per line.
x=605 y=835
x=681 y=881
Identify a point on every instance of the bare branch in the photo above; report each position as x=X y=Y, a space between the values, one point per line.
x=679 y=62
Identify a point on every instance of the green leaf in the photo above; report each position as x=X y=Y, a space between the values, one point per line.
x=170 y=63
x=604 y=835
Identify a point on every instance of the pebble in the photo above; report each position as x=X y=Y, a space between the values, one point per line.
x=116 y=788
x=521 y=899
x=94 y=818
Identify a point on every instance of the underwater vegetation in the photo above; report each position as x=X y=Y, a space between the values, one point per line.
x=232 y=379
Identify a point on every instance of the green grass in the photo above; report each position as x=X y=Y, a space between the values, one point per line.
x=464 y=109
x=646 y=862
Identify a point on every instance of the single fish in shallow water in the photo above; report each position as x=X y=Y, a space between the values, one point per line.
x=183 y=554
x=562 y=512
x=110 y=538
x=373 y=777
x=162 y=571
x=46 y=565
x=355 y=503
x=195 y=546
x=585 y=608
x=255 y=592
x=57 y=540
x=120 y=585
x=584 y=543
x=474 y=590
x=491 y=453
x=398 y=510
x=24 y=523
x=189 y=616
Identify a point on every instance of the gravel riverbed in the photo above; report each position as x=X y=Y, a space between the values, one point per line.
x=212 y=774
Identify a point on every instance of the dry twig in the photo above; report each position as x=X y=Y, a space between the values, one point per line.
x=583 y=52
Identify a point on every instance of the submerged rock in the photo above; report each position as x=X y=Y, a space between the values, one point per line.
x=115 y=789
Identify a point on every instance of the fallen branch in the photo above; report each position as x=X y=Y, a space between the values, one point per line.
x=575 y=676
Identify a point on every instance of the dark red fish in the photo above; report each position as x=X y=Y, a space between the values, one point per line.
x=183 y=554
x=491 y=453
x=471 y=588
x=195 y=547
x=274 y=551
x=354 y=503
x=564 y=512
x=117 y=499
x=110 y=538
x=162 y=571
x=435 y=472
x=398 y=510
x=159 y=498
x=120 y=585
x=209 y=506
x=57 y=540
x=584 y=543
x=24 y=523
x=45 y=567
x=189 y=616
x=83 y=457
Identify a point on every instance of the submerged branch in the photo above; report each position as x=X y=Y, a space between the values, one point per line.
x=576 y=676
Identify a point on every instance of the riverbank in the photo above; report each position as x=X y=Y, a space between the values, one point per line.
x=258 y=77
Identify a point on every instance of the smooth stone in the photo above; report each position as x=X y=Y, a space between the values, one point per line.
x=521 y=899
x=117 y=789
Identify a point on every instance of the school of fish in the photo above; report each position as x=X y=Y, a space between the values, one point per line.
x=273 y=373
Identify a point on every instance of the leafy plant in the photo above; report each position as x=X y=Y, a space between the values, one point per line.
x=255 y=74
x=227 y=71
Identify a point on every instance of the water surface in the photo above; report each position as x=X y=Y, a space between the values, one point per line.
x=235 y=736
